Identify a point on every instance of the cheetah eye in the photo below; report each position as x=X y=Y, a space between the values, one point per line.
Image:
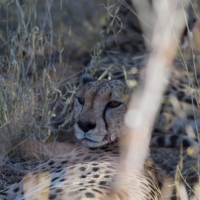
x=114 y=104
x=81 y=100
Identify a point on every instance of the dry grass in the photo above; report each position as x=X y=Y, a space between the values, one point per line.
x=45 y=46
x=40 y=63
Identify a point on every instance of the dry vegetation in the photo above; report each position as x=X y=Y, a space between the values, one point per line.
x=44 y=48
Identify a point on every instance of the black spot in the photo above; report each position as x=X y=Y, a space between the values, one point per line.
x=59 y=170
x=186 y=143
x=102 y=183
x=105 y=147
x=89 y=195
x=64 y=162
x=59 y=167
x=161 y=141
x=95 y=169
x=93 y=148
x=96 y=176
x=83 y=176
x=51 y=162
x=3 y=193
x=190 y=117
x=81 y=189
x=174 y=88
x=62 y=180
x=160 y=184
x=181 y=86
x=107 y=176
x=167 y=93
x=92 y=181
x=108 y=150
x=173 y=140
x=87 y=158
x=95 y=190
x=82 y=168
x=180 y=95
x=16 y=189
x=108 y=172
x=55 y=179
x=52 y=196
x=58 y=190
x=190 y=101
x=94 y=164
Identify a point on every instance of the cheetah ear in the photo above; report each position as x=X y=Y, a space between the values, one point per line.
x=86 y=78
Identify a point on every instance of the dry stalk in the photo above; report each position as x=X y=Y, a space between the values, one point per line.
x=168 y=25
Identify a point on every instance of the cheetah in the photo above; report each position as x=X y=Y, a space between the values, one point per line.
x=88 y=171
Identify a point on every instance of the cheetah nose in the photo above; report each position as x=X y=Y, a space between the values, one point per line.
x=86 y=126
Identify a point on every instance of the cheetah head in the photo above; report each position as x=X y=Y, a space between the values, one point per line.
x=100 y=107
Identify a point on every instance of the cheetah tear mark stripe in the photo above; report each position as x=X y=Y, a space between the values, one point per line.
x=104 y=117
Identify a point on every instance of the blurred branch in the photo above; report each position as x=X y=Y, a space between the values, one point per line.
x=168 y=22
